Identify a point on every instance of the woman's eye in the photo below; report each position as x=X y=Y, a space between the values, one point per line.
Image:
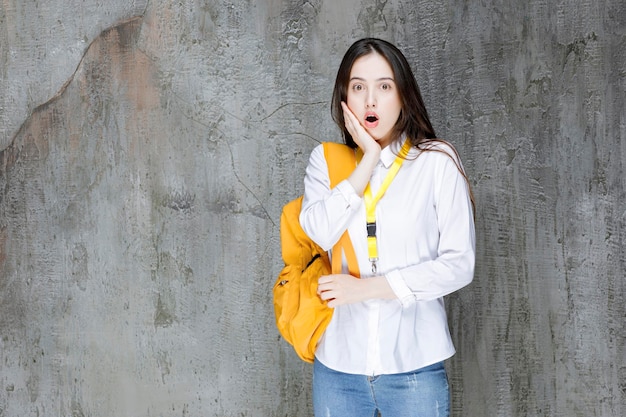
x=357 y=87
x=385 y=86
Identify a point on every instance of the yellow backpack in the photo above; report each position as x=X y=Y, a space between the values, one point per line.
x=301 y=315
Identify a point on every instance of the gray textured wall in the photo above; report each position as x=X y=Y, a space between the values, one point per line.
x=148 y=146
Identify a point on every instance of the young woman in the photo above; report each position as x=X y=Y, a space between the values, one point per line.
x=384 y=349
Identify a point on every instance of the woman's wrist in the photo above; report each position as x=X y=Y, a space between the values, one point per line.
x=360 y=177
x=378 y=287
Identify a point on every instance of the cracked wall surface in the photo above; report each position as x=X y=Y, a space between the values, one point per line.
x=147 y=149
x=41 y=44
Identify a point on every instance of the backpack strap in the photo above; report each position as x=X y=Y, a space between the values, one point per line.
x=341 y=161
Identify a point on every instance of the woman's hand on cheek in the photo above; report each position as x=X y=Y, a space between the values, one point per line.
x=371 y=151
x=361 y=137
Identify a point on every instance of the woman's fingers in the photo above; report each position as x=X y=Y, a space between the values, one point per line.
x=338 y=289
x=352 y=123
x=324 y=288
x=349 y=120
x=347 y=112
x=359 y=134
x=324 y=283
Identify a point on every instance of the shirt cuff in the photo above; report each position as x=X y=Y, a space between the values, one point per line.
x=399 y=287
x=347 y=191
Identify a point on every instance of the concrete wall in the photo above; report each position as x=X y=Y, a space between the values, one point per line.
x=147 y=149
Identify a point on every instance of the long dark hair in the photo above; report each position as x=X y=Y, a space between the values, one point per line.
x=413 y=119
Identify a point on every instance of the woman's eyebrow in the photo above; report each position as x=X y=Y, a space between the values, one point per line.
x=379 y=79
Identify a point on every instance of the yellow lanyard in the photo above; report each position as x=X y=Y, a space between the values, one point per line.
x=370 y=203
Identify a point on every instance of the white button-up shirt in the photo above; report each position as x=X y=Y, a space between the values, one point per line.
x=426 y=244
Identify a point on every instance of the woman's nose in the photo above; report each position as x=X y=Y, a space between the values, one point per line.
x=370 y=100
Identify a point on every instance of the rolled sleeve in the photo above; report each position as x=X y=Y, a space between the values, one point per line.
x=399 y=287
x=349 y=194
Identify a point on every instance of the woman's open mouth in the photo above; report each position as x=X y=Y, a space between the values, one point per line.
x=371 y=120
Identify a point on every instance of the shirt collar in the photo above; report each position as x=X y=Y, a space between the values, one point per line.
x=389 y=153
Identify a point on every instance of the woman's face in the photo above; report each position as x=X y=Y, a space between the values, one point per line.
x=373 y=96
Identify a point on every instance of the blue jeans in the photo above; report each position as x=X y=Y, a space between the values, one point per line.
x=420 y=393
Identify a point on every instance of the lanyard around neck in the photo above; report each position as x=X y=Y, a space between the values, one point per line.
x=370 y=203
